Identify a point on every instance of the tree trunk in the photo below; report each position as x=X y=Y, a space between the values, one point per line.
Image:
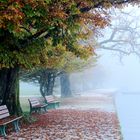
x=65 y=85
x=9 y=89
x=47 y=83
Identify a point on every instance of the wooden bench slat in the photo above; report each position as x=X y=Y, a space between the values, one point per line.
x=54 y=102
x=50 y=98
x=32 y=100
x=4 y=115
x=35 y=101
x=4 y=111
x=2 y=107
x=35 y=104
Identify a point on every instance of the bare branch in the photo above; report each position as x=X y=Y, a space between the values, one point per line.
x=115 y=49
x=123 y=36
x=100 y=4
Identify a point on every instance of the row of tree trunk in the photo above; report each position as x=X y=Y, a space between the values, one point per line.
x=47 y=84
x=9 y=88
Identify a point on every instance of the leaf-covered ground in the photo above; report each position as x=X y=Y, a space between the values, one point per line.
x=78 y=118
x=70 y=124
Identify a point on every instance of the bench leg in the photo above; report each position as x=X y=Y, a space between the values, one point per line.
x=39 y=110
x=45 y=109
x=16 y=126
x=54 y=105
x=2 y=130
x=32 y=110
x=35 y=110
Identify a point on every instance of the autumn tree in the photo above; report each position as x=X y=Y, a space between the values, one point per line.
x=28 y=27
x=45 y=76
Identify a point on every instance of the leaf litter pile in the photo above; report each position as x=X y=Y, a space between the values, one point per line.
x=71 y=124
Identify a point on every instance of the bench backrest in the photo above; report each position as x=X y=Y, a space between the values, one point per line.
x=4 y=112
x=33 y=102
x=49 y=98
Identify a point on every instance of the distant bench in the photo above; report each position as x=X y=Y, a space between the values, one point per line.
x=5 y=119
x=52 y=101
x=36 y=106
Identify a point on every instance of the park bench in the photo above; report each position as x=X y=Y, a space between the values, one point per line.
x=52 y=102
x=5 y=119
x=36 y=106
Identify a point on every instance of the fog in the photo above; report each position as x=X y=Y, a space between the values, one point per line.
x=118 y=66
x=110 y=73
x=124 y=76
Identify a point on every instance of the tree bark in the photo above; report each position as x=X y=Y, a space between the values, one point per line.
x=65 y=85
x=9 y=89
x=47 y=83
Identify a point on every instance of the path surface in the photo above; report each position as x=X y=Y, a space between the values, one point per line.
x=102 y=102
x=128 y=108
x=71 y=124
x=79 y=118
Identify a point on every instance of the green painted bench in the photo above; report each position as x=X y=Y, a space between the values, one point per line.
x=5 y=119
x=52 y=102
x=36 y=106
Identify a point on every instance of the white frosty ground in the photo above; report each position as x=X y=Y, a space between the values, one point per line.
x=128 y=108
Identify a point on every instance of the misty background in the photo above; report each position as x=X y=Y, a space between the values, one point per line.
x=109 y=74
x=115 y=70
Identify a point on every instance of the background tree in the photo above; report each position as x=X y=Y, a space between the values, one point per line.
x=122 y=37
x=73 y=65
x=45 y=78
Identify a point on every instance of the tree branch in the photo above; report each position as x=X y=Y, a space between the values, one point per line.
x=27 y=30
x=101 y=4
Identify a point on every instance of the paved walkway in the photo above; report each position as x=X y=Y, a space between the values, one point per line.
x=128 y=108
